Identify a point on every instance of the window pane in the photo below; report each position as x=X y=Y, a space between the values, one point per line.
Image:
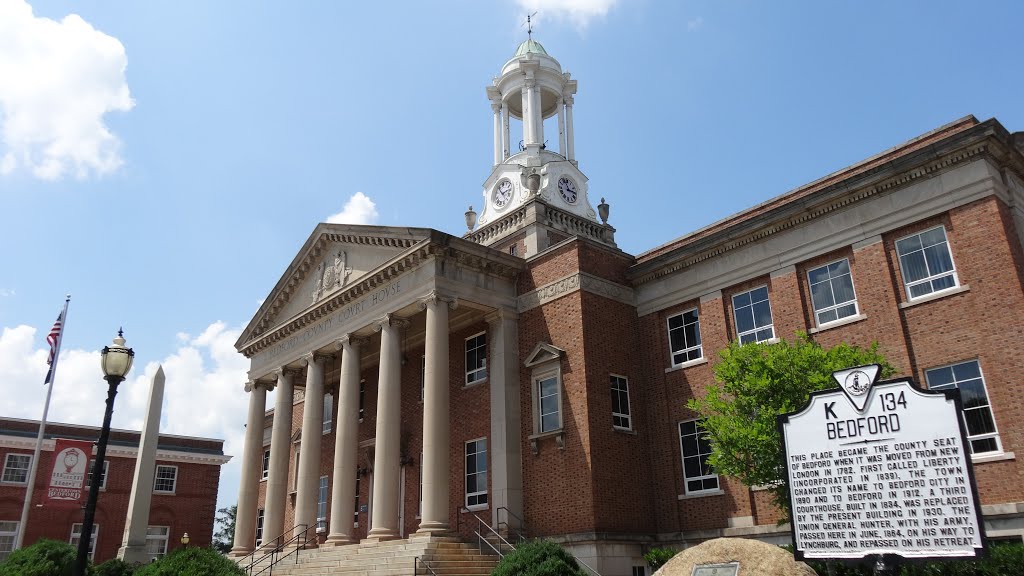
x=908 y=245
x=979 y=421
x=938 y=259
x=549 y=422
x=914 y=267
x=821 y=295
x=744 y=320
x=741 y=300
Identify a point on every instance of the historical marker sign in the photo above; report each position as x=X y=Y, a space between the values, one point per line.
x=880 y=468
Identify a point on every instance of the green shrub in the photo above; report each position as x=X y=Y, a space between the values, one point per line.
x=194 y=561
x=538 y=558
x=656 y=557
x=114 y=567
x=44 y=558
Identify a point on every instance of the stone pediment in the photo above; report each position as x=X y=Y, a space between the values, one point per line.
x=335 y=257
x=541 y=353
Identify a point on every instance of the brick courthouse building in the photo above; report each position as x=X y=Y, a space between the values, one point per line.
x=530 y=372
x=184 y=489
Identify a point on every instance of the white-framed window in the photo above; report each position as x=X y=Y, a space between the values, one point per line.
x=16 y=468
x=166 y=479
x=698 y=476
x=362 y=399
x=295 y=477
x=476 y=358
x=832 y=292
x=982 y=434
x=265 y=471
x=753 y=316
x=684 y=337
x=926 y=263
x=76 y=537
x=328 y=412
x=156 y=541
x=321 y=505
x=476 y=473
x=259 y=527
x=549 y=403
x=8 y=534
x=103 y=476
x=620 y=402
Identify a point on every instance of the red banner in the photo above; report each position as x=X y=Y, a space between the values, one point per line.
x=70 y=469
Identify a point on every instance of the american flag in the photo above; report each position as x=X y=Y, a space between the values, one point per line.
x=53 y=339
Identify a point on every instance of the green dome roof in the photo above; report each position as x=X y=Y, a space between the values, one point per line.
x=530 y=46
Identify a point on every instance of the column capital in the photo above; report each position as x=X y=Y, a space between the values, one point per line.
x=349 y=340
x=499 y=315
x=390 y=320
x=310 y=357
x=285 y=371
x=568 y=99
x=253 y=385
x=436 y=298
x=496 y=106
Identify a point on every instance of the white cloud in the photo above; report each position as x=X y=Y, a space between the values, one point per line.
x=203 y=395
x=358 y=210
x=695 y=23
x=579 y=12
x=57 y=81
x=6 y=292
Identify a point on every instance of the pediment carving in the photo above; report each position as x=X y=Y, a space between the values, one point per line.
x=543 y=352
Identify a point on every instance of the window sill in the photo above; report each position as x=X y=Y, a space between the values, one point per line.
x=478 y=507
x=474 y=384
x=838 y=323
x=558 y=435
x=25 y=483
x=718 y=492
x=992 y=457
x=936 y=296
x=627 y=431
x=686 y=364
x=162 y=493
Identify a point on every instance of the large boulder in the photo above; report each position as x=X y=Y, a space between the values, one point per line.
x=755 y=559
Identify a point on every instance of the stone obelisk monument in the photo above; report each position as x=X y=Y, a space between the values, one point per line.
x=133 y=546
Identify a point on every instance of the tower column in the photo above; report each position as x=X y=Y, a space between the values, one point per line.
x=561 y=127
x=248 y=489
x=496 y=107
x=277 y=476
x=527 y=116
x=505 y=134
x=537 y=114
x=436 y=426
x=312 y=435
x=346 y=444
x=386 y=468
x=506 y=455
x=570 y=152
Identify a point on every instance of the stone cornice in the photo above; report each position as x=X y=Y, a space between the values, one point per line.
x=799 y=211
x=573 y=283
x=19 y=443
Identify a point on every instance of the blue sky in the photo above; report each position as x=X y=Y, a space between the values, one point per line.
x=163 y=162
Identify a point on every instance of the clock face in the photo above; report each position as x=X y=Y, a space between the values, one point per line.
x=502 y=193
x=567 y=188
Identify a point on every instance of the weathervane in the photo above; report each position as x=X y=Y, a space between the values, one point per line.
x=529 y=25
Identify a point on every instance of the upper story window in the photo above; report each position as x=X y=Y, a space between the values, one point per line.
x=16 y=468
x=476 y=358
x=103 y=475
x=832 y=292
x=926 y=263
x=259 y=527
x=698 y=476
x=166 y=479
x=977 y=411
x=321 y=505
x=620 y=403
x=753 y=316
x=684 y=337
x=328 y=412
x=265 y=473
x=549 y=403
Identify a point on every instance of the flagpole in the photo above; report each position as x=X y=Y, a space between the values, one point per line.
x=23 y=525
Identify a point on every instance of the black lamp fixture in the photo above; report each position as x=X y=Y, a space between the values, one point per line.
x=116 y=362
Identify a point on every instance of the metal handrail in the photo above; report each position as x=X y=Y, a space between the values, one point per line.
x=521 y=532
x=276 y=547
x=416 y=561
x=480 y=538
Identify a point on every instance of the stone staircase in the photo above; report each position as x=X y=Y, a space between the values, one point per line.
x=446 y=556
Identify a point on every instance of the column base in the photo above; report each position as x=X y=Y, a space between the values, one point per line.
x=381 y=535
x=338 y=540
x=136 y=554
x=436 y=528
x=239 y=551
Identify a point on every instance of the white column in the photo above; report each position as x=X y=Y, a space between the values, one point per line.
x=537 y=112
x=436 y=428
x=280 y=453
x=505 y=135
x=527 y=104
x=561 y=127
x=312 y=433
x=496 y=107
x=504 y=447
x=384 y=521
x=346 y=445
x=133 y=545
x=569 y=149
x=252 y=460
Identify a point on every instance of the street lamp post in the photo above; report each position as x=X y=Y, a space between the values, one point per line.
x=116 y=361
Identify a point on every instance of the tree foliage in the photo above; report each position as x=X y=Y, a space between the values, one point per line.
x=756 y=383
x=657 y=557
x=192 y=561
x=224 y=537
x=538 y=558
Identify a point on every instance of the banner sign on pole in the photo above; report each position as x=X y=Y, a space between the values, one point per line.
x=70 y=467
x=881 y=468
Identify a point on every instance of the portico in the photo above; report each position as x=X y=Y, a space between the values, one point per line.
x=352 y=307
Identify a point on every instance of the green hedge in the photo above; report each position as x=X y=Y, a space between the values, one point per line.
x=538 y=558
x=44 y=558
x=194 y=561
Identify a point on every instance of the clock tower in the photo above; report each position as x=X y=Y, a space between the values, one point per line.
x=534 y=197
